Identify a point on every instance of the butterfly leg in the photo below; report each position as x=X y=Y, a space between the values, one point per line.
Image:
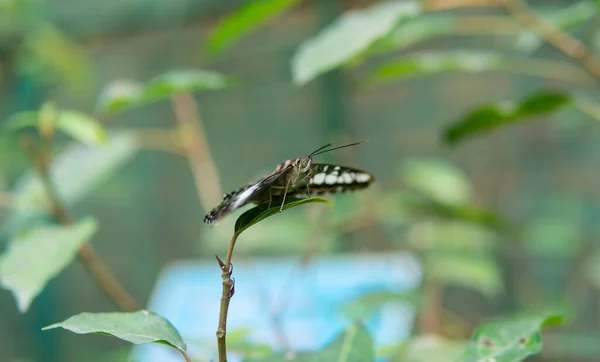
x=270 y=197
x=284 y=195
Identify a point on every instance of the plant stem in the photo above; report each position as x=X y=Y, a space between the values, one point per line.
x=225 y=298
x=568 y=45
x=195 y=147
x=92 y=262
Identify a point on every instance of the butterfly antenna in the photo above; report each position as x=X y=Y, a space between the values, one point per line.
x=319 y=149
x=336 y=148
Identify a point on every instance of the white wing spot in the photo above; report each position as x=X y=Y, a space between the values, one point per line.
x=336 y=168
x=363 y=177
x=325 y=168
x=318 y=179
x=348 y=178
x=340 y=179
x=331 y=179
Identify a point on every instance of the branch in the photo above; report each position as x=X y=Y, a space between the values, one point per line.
x=568 y=45
x=92 y=262
x=228 y=291
x=196 y=149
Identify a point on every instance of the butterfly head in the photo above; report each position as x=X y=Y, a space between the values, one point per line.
x=304 y=164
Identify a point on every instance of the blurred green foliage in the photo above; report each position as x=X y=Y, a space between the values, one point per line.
x=496 y=254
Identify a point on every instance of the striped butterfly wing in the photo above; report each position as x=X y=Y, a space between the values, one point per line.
x=254 y=192
x=326 y=178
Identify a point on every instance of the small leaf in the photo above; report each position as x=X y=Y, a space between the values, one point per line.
x=489 y=117
x=465 y=212
x=38 y=255
x=367 y=304
x=352 y=33
x=476 y=272
x=21 y=120
x=473 y=62
x=437 y=180
x=76 y=172
x=353 y=345
x=122 y=95
x=244 y=20
x=508 y=340
x=262 y=211
x=135 y=327
x=81 y=127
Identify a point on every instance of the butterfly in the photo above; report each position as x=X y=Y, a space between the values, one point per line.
x=295 y=177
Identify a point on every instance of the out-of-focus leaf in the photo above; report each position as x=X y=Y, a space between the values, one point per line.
x=432 y=208
x=476 y=272
x=552 y=237
x=508 y=340
x=367 y=304
x=238 y=341
x=38 y=255
x=48 y=54
x=122 y=95
x=428 y=63
x=452 y=236
x=249 y=17
x=263 y=211
x=437 y=180
x=353 y=345
x=135 y=327
x=345 y=38
x=489 y=117
x=81 y=127
x=77 y=171
x=564 y=18
x=427 y=348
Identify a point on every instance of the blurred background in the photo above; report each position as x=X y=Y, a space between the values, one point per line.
x=483 y=140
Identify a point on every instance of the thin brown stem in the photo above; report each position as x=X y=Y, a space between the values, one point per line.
x=196 y=149
x=92 y=262
x=566 y=44
x=431 y=311
x=225 y=299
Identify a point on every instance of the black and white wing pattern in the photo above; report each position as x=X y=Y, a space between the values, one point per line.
x=254 y=192
x=327 y=178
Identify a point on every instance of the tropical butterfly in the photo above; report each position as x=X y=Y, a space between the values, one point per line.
x=296 y=177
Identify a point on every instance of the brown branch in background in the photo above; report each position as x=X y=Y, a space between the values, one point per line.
x=568 y=45
x=92 y=262
x=430 y=315
x=196 y=149
x=164 y=140
x=228 y=291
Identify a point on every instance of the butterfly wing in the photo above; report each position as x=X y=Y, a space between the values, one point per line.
x=326 y=178
x=242 y=196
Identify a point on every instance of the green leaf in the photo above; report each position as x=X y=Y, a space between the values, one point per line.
x=367 y=304
x=135 y=327
x=427 y=348
x=439 y=181
x=472 y=271
x=474 y=214
x=76 y=172
x=490 y=117
x=38 y=255
x=352 y=33
x=123 y=95
x=81 y=127
x=510 y=340
x=473 y=62
x=263 y=211
x=353 y=345
x=244 y=20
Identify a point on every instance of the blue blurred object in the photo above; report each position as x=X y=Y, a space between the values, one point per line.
x=306 y=300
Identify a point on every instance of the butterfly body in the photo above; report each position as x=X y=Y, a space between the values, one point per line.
x=295 y=177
